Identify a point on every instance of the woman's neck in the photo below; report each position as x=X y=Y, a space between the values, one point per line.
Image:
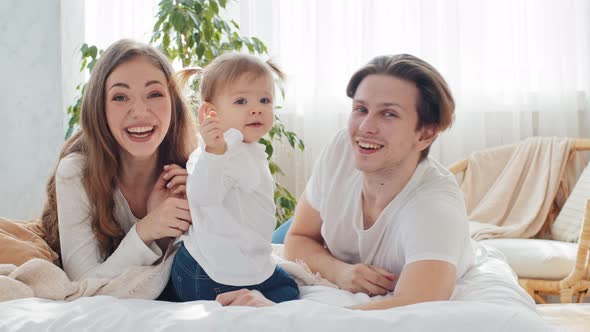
x=137 y=174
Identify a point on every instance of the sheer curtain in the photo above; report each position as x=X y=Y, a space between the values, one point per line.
x=110 y=20
x=517 y=68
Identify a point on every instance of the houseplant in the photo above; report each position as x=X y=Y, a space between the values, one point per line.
x=192 y=33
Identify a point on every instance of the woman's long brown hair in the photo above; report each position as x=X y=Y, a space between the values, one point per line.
x=96 y=143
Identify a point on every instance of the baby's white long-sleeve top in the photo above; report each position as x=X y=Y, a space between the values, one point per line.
x=231 y=199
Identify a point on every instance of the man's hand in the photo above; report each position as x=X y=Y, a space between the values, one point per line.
x=362 y=278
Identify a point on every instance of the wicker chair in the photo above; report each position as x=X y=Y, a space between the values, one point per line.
x=578 y=280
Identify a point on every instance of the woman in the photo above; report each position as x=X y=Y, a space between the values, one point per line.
x=118 y=189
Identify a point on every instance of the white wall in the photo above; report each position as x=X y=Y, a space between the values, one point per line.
x=33 y=52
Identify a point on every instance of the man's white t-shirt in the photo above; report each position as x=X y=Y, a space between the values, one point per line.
x=425 y=221
x=231 y=200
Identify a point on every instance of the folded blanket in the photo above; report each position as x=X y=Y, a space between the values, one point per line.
x=41 y=278
x=21 y=241
x=509 y=190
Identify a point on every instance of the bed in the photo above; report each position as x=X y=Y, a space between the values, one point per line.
x=500 y=305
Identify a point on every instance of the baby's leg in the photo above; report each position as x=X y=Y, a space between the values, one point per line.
x=279 y=287
x=190 y=281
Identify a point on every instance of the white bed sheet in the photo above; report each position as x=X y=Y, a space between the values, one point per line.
x=498 y=305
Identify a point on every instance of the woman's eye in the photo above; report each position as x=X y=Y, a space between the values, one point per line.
x=389 y=114
x=155 y=94
x=119 y=98
x=240 y=101
x=265 y=100
x=360 y=109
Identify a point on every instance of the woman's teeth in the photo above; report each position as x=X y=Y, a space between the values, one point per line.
x=140 y=132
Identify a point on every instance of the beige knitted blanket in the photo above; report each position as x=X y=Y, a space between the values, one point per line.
x=41 y=278
x=509 y=190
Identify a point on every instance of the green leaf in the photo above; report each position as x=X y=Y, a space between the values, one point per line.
x=188 y=3
x=207 y=31
x=196 y=21
x=226 y=27
x=250 y=47
x=198 y=8
x=92 y=51
x=214 y=51
x=166 y=41
x=214 y=7
x=91 y=65
x=217 y=24
x=200 y=50
x=161 y=17
x=301 y=145
x=222 y=3
x=177 y=20
x=209 y=54
x=156 y=36
x=274 y=168
x=269 y=150
x=69 y=132
x=257 y=45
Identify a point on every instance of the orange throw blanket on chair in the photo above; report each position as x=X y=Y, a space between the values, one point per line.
x=509 y=190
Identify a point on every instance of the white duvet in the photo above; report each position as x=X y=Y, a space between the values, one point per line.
x=486 y=299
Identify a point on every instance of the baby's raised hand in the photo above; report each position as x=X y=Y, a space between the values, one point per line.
x=212 y=134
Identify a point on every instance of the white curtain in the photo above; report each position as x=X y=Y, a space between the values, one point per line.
x=110 y=20
x=517 y=68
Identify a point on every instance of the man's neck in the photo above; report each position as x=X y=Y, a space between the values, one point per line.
x=380 y=188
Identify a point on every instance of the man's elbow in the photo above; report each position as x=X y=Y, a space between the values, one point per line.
x=291 y=244
x=429 y=295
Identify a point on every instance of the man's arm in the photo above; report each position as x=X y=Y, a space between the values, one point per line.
x=421 y=281
x=304 y=241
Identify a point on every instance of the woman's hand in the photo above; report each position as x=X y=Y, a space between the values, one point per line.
x=362 y=278
x=243 y=297
x=167 y=208
x=170 y=183
x=176 y=180
x=169 y=219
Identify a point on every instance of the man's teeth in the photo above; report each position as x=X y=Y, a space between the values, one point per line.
x=369 y=145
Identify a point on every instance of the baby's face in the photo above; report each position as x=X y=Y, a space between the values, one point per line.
x=247 y=105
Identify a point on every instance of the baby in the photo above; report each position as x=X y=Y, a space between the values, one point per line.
x=230 y=189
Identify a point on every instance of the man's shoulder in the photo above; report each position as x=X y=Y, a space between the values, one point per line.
x=437 y=180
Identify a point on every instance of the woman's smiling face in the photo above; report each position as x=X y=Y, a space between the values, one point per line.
x=138 y=107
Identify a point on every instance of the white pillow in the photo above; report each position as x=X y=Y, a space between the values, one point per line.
x=537 y=259
x=568 y=224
